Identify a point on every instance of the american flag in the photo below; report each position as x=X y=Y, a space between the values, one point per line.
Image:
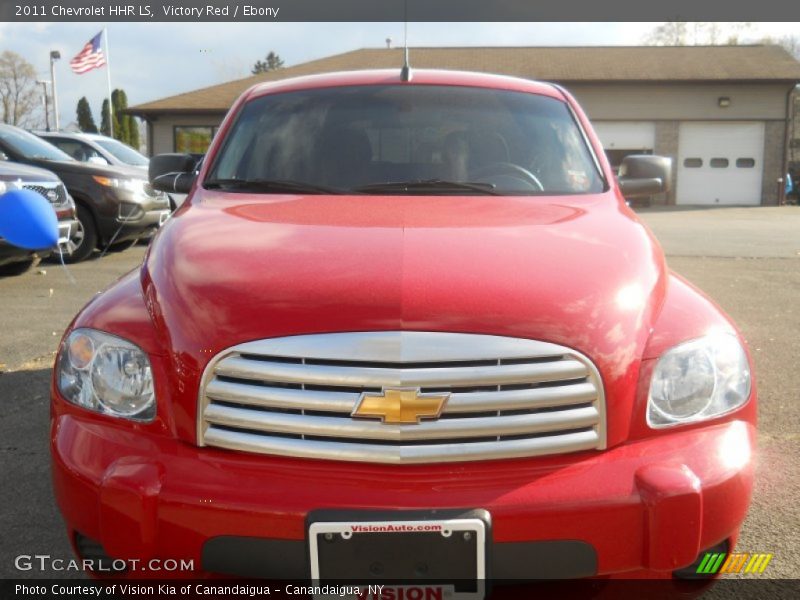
x=91 y=57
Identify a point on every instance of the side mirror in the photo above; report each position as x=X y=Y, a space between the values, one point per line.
x=97 y=160
x=645 y=175
x=174 y=173
x=3 y=155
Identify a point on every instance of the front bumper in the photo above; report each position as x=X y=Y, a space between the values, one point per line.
x=126 y=216
x=649 y=505
x=10 y=254
x=65 y=229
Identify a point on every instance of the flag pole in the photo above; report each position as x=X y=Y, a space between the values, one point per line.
x=108 y=78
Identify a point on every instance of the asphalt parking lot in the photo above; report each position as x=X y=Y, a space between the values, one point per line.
x=748 y=260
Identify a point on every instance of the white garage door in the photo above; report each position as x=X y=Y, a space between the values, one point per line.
x=720 y=163
x=626 y=135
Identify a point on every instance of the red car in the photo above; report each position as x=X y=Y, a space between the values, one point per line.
x=404 y=327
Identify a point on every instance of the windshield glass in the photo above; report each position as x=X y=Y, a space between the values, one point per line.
x=124 y=153
x=408 y=139
x=30 y=146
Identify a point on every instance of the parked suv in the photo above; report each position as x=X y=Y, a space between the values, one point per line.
x=15 y=260
x=405 y=328
x=103 y=150
x=99 y=149
x=115 y=205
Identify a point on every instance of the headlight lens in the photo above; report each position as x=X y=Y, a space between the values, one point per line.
x=137 y=186
x=698 y=380
x=108 y=374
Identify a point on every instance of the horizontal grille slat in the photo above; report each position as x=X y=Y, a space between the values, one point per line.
x=427 y=430
x=249 y=395
x=501 y=398
x=241 y=368
x=345 y=402
x=434 y=453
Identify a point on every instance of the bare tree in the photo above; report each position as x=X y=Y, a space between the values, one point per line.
x=682 y=33
x=671 y=33
x=790 y=43
x=20 y=96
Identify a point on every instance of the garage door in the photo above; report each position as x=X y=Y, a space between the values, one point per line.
x=720 y=163
x=621 y=138
x=619 y=135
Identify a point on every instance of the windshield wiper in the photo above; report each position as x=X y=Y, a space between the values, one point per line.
x=275 y=186
x=420 y=186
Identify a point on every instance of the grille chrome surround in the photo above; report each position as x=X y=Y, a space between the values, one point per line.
x=509 y=397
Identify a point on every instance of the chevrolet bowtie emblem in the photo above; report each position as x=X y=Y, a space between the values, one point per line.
x=405 y=406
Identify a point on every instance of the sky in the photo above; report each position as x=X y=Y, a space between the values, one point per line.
x=154 y=60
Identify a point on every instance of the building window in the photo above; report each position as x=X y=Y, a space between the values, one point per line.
x=719 y=163
x=745 y=163
x=192 y=139
x=693 y=163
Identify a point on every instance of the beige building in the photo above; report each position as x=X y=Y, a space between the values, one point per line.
x=723 y=113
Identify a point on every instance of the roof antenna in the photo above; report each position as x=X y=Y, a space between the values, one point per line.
x=405 y=72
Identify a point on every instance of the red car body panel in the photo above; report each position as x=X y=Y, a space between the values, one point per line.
x=580 y=271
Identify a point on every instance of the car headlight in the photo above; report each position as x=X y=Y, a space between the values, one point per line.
x=108 y=374
x=698 y=380
x=137 y=186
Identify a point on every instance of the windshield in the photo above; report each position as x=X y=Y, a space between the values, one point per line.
x=30 y=146
x=407 y=139
x=124 y=153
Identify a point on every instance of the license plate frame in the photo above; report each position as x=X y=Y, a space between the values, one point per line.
x=423 y=530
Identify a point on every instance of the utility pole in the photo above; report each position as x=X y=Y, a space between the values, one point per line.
x=54 y=56
x=46 y=109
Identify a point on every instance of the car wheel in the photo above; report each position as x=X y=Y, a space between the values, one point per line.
x=83 y=237
x=121 y=246
x=17 y=268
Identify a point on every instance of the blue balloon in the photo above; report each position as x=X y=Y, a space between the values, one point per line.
x=28 y=220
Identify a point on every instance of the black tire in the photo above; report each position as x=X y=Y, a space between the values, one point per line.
x=121 y=246
x=83 y=238
x=17 y=268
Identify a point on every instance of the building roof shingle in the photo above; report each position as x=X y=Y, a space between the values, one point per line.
x=643 y=64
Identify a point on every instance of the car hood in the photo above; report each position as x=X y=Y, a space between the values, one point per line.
x=11 y=171
x=578 y=271
x=82 y=168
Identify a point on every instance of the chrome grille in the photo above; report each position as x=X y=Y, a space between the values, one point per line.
x=54 y=192
x=509 y=397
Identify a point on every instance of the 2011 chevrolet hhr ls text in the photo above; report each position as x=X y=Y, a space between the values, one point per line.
x=404 y=327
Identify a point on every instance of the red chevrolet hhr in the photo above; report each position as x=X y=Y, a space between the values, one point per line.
x=405 y=327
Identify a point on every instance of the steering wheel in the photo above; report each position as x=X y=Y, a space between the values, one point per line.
x=508 y=169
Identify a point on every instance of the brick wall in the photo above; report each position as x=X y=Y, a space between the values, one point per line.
x=771 y=190
x=794 y=142
x=666 y=144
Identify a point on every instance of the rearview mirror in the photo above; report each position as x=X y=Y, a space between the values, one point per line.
x=645 y=175
x=174 y=173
